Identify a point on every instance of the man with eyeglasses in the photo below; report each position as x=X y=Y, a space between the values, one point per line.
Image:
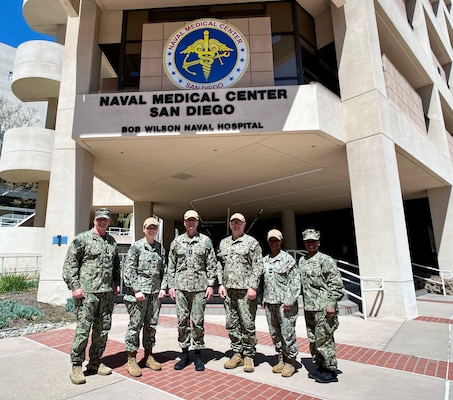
x=143 y=273
x=192 y=268
x=240 y=268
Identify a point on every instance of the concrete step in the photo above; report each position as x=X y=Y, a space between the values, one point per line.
x=346 y=307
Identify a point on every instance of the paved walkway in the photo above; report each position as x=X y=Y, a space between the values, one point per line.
x=379 y=358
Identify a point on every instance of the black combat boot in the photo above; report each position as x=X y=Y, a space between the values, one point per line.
x=184 y=361
x=199 y=366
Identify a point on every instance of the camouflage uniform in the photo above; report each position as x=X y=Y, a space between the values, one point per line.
x=240 y=268
x=282 y=286
x=143 y=271
x=322 y=287
x=92 y=264
x=191 y=269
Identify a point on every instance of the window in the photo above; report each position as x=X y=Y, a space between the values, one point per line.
x=297 y=60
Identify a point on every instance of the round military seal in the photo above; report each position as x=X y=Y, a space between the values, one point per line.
x=206 y=54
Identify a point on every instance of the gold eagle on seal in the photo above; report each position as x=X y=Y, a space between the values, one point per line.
x=208 y=50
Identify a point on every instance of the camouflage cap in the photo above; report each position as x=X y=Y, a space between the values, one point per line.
x=102 y=213
x=311 y=234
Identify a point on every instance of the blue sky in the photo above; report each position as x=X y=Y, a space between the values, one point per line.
x=13 y=28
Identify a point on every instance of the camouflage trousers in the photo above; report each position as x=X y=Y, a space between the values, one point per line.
x=142 y=314
x=93 y=313
x=240 y=314
x=282 y=328
x=320 y=329
x=190 y=308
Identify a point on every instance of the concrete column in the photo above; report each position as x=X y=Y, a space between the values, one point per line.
x=71 y=179
x=41 y=204
x=52 y=105
x=142 y=210
x=441 y=207
x=433 y=109
x=61 y=34
x=358 y=48
x=289 y=230
x=89 y=66
x=382 y=242
x=416 y=15
x=169 y=232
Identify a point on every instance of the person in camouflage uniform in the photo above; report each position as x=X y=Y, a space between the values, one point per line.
x=92 y=272
x=322 y=288
x=191 y=275
x=280 y=294
x=240 y=269
x=143 y=273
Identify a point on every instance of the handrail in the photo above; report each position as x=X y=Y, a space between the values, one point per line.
x=116 y=230
x=17 y=269
x=361 y=284
x=443 y=274
x=353 y=279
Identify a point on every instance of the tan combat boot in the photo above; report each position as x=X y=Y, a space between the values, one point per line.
x=235 y=361
x=96 y=367
x=289 y=368
x=150 y=361
x=248 y=364
x=77 y=377
x=132 y=366
x=278 y=368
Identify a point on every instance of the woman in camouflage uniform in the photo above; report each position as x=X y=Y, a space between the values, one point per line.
x=143 y=275
x=322 y=288
x=280 y=294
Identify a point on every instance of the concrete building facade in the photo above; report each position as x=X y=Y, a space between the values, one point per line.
x=327 y=106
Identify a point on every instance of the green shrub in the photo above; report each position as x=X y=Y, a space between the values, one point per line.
x=11 y=310
x=16 y=282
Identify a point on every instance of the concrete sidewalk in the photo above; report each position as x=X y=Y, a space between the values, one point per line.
x=379 y=358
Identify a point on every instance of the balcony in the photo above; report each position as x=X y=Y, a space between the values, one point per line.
x=37 y=70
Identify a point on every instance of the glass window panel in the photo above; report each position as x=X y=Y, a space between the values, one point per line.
x=284 y=53
x=135 y=21
x=177 y=14
x=309 y=61
x=281 y=16
x=132 y=65
x=286 y=82
x=306 y=25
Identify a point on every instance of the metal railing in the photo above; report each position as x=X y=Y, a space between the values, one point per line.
x=360 y=282
x=29 y=264
x=114 y=230
x=353 y=279
x=443 y=274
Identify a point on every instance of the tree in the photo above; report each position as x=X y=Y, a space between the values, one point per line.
x=13 y=115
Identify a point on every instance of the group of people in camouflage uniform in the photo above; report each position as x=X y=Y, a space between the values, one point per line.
x=91 y=271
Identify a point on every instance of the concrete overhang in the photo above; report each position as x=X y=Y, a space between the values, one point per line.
x=37 y=70
x=27 y=154
x=44 y=16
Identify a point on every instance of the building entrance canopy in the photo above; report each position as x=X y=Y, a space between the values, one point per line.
x=264 y=150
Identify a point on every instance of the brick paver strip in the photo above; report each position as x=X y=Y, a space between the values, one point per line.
x=218 y=385
x=190 y=384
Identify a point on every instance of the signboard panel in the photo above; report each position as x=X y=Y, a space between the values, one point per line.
x=263 y=109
